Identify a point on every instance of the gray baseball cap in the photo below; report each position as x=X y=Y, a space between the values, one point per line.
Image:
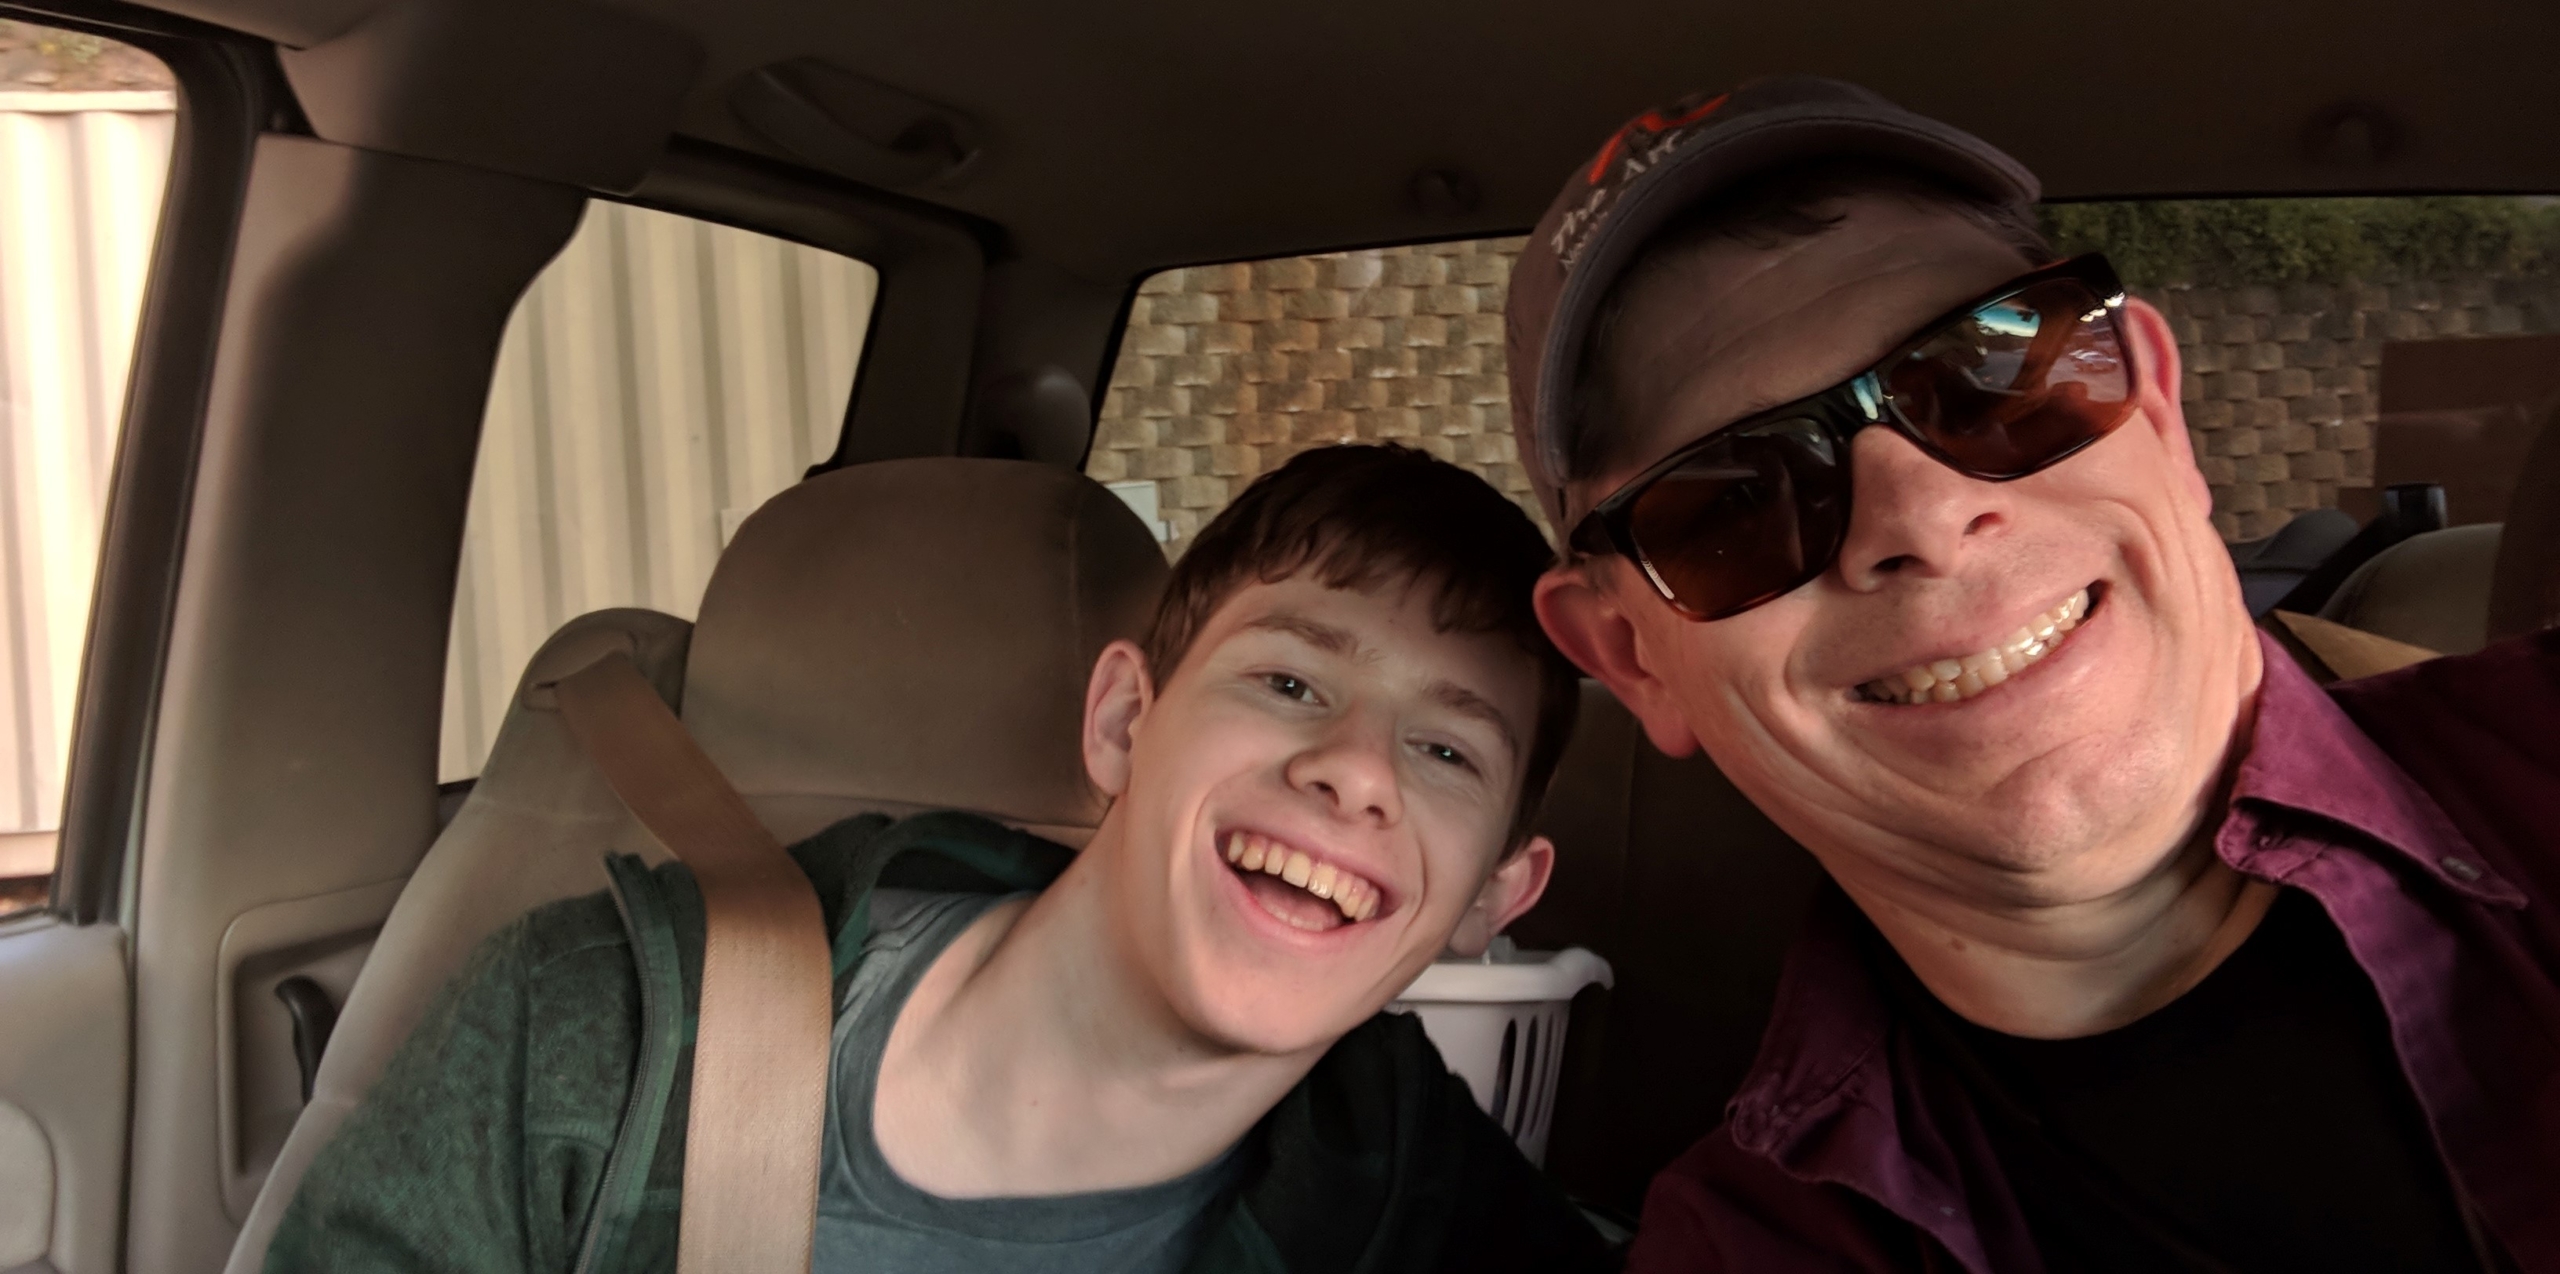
x=1665 y=161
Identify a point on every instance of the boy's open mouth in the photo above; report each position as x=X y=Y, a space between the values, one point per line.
x=1298 y=889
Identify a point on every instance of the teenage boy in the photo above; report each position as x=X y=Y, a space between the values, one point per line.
x=1164 y=1053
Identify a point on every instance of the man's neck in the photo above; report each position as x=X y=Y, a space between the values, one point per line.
x=2024 y=963
x=1032 y=1060
x=2066 y=971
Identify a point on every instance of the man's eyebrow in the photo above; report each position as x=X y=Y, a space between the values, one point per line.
x=1459 y=699
x=1322 y=636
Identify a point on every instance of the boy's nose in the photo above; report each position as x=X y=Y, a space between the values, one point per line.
x=1353 y=770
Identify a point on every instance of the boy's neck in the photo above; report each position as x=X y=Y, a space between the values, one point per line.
x=1032 y=1059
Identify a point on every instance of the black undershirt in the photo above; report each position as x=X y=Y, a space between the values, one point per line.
x=2260 y=1122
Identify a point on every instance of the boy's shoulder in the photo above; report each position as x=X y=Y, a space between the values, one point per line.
x=905 y=859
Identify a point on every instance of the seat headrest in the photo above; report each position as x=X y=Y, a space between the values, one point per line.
x=918 y=634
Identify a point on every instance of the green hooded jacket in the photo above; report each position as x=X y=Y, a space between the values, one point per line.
x=535 y=1118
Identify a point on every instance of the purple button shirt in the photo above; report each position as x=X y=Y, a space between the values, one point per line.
x=2421 y=808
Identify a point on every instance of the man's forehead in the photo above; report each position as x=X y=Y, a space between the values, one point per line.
x=1726 y=329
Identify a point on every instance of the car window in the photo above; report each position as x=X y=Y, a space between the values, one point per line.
x=1228 y=370
x=2282 y=309
x=658 y=381
x=2289 y=312
x=85 y=131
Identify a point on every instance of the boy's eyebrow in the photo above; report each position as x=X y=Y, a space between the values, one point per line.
x=1459 y=699
x=1341 y=642
x=1324 y=637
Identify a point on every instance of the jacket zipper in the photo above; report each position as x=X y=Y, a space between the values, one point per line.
x=646 y=1082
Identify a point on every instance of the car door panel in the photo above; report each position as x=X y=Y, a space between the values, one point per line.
x=63 y=1092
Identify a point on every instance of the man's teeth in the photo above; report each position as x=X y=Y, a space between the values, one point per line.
x=1949 y=680
x=1356 y=898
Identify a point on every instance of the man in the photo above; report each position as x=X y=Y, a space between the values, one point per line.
x=2146 y=952
x=1163 y=1053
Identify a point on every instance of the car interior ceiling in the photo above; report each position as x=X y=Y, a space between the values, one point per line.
x=261 y=711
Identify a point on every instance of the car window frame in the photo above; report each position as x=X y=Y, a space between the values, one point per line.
x=229 y=91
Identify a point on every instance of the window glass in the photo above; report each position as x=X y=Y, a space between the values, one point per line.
x=2289 y=312
x=2282 y=308
x=661 y=378
x=1228 y=370
x=85 y=128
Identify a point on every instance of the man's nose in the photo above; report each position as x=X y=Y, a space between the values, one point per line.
x=1352 y=768
x=1911 y=516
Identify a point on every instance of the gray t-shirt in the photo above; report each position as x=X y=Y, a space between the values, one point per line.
x=870 y=1221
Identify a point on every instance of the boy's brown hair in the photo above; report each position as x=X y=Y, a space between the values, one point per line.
x=1361 y=517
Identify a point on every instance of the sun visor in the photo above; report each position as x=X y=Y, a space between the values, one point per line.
x=555 y=90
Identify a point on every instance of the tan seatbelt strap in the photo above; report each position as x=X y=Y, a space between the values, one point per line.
x=2350 y=652
x=760 y=1061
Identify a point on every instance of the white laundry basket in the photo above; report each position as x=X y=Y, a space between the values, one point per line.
x=1499 y=1023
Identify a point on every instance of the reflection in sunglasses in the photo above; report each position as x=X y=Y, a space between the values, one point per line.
x=2009 y=319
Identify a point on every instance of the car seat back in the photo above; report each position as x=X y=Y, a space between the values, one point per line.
x=896 y=636
x=2458 y=589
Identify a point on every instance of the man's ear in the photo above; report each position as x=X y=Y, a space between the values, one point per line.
x=1583 y=619
x=1514 y=887
x=1115 y=701
x=2155 y=361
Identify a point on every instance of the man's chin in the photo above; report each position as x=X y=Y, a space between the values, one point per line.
x=2071 y=839
x=2056 y=820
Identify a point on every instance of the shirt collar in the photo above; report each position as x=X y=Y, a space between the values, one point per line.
x=2307 y=757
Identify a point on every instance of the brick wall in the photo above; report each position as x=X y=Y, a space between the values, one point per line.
x=2281 y=383
x=1228 y=370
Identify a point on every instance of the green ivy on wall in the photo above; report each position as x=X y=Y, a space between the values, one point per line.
x=2228 y=241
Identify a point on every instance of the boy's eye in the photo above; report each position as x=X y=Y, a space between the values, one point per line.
x=1290 y=687
x=1444 y=754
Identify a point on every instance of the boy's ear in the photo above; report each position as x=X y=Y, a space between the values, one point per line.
x=1512 y=889
x=1114 y=702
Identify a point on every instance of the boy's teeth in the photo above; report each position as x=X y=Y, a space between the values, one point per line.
x=1356 y=898
x=1948 y=680
x=1320 y=881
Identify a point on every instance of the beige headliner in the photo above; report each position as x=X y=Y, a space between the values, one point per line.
x=1127 y=134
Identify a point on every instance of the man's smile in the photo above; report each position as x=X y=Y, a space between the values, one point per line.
x=1301 y=890
x=1954 y=678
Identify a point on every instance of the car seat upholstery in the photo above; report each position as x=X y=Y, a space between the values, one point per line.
x=937 y=661
x=897 y=636
x=1693 y=896
x=2458 y=589
x=2429 y=590
x=2273 y=565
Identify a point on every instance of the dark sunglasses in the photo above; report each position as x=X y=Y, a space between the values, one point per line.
x=1998 y=388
